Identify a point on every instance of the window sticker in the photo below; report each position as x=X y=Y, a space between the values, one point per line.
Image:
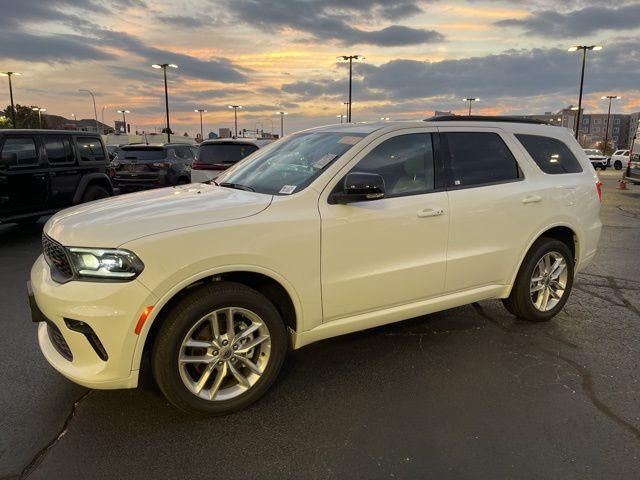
x=287 y=189
x=349 y=140
x=324 y=161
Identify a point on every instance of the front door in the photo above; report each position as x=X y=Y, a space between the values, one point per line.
x=23 y=178
x=392 y=251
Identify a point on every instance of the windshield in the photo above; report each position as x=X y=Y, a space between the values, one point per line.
x=292 y=163
x=141 y=153
x=592 y=152
x=228 y=153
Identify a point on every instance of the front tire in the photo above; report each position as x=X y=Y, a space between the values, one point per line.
x=219 y=349
x=544 y=281
x=617 y=165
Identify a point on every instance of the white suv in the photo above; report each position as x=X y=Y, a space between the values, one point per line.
x=620 y=159
x=326 y=232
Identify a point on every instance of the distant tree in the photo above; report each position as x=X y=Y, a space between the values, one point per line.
x=4 y=122
x=185 y=134
x=604 y=148
x=25 y=118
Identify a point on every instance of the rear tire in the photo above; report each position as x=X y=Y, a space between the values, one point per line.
x=94 y=192
x=523 y=300
x=179 y=379
x=617 y=165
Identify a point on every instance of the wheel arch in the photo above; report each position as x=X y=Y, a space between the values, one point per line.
x=561 y=231
x=267 y=282
x=92 y=179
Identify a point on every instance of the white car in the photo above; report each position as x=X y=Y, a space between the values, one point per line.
x=215 y=156
x=597 y=159
x=325 y=232
x=620 y=159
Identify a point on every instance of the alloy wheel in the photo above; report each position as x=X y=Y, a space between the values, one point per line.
x=224 y=354
x=548 y=281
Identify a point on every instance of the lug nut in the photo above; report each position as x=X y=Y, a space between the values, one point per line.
x=225 y=343
x=215 y=352
x=235 y=347
x=219 y=364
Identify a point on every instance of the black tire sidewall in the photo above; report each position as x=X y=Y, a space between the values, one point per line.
x=180 y=320
x=94 y=192
x=538 y=250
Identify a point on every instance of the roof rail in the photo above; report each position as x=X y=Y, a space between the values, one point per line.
x=485 y=118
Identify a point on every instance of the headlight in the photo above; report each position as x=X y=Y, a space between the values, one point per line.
x=105 y=263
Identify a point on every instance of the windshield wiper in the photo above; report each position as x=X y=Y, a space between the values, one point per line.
x=237 y=186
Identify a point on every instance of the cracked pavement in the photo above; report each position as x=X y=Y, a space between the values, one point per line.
x=470 y=392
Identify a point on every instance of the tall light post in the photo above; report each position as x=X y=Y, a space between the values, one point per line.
x=584 y=49
x=235 y=116
x=75 y=121
x=13 y=108
x=606 y=131
x=350 y=59
x=124 y=118
x=95 y=110
x=164 y=66
x=39 y=110
x=282 y=114
x=201 y=111
x=470 y=100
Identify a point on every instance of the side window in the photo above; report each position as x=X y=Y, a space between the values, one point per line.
x=184 y=153
x=478 y=158
x=551 y=155
x=90 y=149
x=20 y=150
x=405 y=163
x=58 y=149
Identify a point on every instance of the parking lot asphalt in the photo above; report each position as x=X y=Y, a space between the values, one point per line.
x=470 y=392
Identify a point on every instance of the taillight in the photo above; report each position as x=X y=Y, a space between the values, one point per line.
x=599 y=188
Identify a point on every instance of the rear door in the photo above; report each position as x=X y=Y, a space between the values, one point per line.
x=24 y=186
x=491 y=202
x=63 y=169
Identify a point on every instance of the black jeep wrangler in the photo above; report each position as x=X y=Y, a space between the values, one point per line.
x=43 y=171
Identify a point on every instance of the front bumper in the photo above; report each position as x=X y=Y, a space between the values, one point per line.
x=599 y=163
x=110 y=310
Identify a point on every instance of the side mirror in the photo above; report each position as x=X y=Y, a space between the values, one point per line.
x=360 y=187
x=9 y=159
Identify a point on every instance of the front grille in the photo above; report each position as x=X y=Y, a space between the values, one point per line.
x=57 y=259
x=58 y=341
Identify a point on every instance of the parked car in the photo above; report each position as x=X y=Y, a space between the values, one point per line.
x=598 y=160
x=620 y=159
x=633 y=169
x=215 y=156
x=43 y=171
x=141 y=166
x=326 y=232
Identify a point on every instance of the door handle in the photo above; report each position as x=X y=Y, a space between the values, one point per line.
x=532 y=199
x=431 y=212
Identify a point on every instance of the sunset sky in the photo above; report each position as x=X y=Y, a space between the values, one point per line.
x=274 y=55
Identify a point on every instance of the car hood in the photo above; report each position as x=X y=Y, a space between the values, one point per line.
x=114 y=221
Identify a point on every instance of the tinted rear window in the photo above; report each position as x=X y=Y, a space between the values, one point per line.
x=551 y=155
x=229 y=153
x=479 y=159
x=142 y=153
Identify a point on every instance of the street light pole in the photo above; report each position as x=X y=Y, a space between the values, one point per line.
x=350 y=59
x=95 y=110
x=235 y=116
x=124 y=118
x=164 y=66
x=470 y=100
x=606 y=131
x=282 y=114
x=584 y=49
x=13 y=108
x=201 y=111
x=39 y=110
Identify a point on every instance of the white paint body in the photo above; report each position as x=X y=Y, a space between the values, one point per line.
x=345 y=267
